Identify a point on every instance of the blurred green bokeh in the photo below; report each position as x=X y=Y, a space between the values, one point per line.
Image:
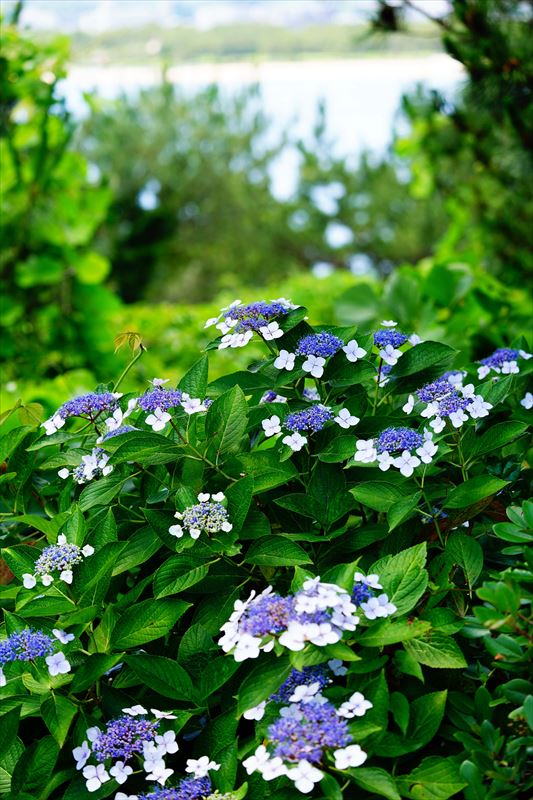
x=442 y=222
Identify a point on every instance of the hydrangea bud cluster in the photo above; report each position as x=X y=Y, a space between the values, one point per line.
x=315 y=349
x=59 y=557
x=447 y=398
x=302 y=737
x=504 y=361
x=188 y=789
x=395 y=447
x=310 y=420
x=93 y=465
x=116 y=432
x=319 y=613
x=208 y=516
x=238 y=322
x=28 y=645
x=89 y=406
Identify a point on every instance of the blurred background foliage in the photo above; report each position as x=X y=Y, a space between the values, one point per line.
x=157 y=209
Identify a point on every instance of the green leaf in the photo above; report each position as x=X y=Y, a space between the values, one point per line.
x=163 y=675
x=340 y=449
x=426 y=716
x=376 y=781
x=34 y=767
x=438 y=651
x=58 y=712
x=194 y=382
x=387 y=632
x=403 y=576
x=93 y=668
x=239 y=496
x=377 y=495
x=434 y=779
x=226 y=421
x=146 y=448
x=266 y=470
x=95 y=569
x=262 y=681
x=402 y=510
x=139 y=549
x=11 y=440
x=178 y=574
x=467 y=553
x=146 y=621
x=9 y=724
x=276 y=551
x=498 y=436
x=100 y=492
x=421 y=357
x=474 y=490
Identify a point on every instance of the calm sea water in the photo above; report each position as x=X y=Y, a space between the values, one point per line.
x=362 y=96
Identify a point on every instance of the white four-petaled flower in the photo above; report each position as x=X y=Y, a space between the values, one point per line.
x=201 y=766
x=304 y=776
x=314 y=365
x=285 y=360
x=271 y=426
x=57 y=664
x=527 y=401
x=351 y=756
x=271 y=331
x=95 y=777
x=345 y=419
x=158 y=419
x=120 y=771
x=390 y=355
x=295 y=441
x=406 y=463
x=353 y=351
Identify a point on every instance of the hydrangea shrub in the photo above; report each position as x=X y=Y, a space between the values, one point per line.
x=310 y=577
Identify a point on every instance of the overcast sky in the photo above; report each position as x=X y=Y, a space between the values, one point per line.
x=96 y=16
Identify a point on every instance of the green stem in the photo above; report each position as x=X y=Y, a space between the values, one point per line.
x=380 y=364
x=129 y=366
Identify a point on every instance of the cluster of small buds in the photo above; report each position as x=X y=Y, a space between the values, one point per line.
x=315 y=349
x=504 y=361
x=134 y=734
x=59 y=557
x=238 y=322
x=159 y=401
x=363 y=596
x=301 y=738
x=272 y=397
x=207 y=516
x=389 y=340
x=93 y=465
x=447 y=398
x=395 y=447
x=89 y=406
x=28 y=645
x=116 y=432
x=319 y=613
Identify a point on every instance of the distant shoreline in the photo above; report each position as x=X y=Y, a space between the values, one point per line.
x=272 y=70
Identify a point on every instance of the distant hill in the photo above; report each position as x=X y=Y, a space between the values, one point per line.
x=249 y=41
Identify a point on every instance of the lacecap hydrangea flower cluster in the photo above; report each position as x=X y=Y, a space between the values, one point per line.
x=59 y=557
x=29 y=646
x=308 y=420
x=396 y=447
x=319 y=613
x=448 y=399
x=308 y=733
x=136 y=735
x=238 y=322
x=208 y=516
x=504 y=361
x=315 y=349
